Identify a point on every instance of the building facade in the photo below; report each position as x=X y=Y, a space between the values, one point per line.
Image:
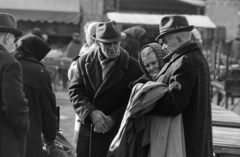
x=96 y=10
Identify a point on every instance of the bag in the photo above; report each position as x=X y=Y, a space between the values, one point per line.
x=61 y=147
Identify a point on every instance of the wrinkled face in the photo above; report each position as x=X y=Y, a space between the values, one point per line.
x=150 y=62
x=171 y=42
x=110 y=50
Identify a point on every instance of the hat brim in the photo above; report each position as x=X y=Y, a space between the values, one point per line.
x=14 y=31
x=183 y=29
x=120 y=38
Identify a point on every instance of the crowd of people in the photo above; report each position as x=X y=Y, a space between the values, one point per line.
x=153 y=101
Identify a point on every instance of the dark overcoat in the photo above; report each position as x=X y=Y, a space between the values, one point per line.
x=186 y=72
x=41 y=102
x=88 y=92
x=14 y=111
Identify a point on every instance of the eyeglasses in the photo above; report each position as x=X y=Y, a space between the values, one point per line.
x=109 y=44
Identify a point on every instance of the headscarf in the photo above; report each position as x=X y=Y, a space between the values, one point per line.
x=33 y=45
x=160 y=53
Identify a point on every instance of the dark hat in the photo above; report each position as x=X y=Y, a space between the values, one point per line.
x=9 y=24
x=38 y=32
x=171 y=24
x=108 y=32
x=34 y=46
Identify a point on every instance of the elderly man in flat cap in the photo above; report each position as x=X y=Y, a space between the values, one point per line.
x=14 y=110
x=99 y=90
x=186 y=73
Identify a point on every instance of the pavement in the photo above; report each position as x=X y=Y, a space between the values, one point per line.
x=67 y=115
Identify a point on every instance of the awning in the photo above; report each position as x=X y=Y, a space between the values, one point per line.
x=66 y=11
x=199 y=3
x=154 y=19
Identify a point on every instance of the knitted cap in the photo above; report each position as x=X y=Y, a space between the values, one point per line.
x=160 y=53
x=34 y=46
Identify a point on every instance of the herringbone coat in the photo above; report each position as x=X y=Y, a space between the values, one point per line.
x=186 y=72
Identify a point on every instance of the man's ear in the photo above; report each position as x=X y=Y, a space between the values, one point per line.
x=6 y=38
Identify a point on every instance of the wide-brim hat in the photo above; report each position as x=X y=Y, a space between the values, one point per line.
x=8 y=24
x=108 y=32
x=173 y=24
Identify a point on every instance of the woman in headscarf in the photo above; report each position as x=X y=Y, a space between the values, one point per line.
x=30 y=50
x=151 y=62
x=143 y=132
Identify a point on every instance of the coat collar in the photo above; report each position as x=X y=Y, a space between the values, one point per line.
x=2 y=48
x=170 y=58
x=29 y=58
x=94 y=73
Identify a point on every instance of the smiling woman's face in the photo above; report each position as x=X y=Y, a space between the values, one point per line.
x=150 y=62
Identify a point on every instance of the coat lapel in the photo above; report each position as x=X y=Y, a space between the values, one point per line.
x=115 y=74
x=94 y=71
x=172 y=57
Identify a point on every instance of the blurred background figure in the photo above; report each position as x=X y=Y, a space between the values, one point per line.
x=131 y=43
x=235 y=47
x=89 y=29
x=38 y=32
x=196 y=36
x=45 y=37
x=74 y=46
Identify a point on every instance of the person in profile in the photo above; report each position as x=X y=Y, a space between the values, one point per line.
x=38 y=32
x=89 y=29
x=74 y=46
x=187 y=75
x=235 y=47
x=14 y=106
x=30 y=50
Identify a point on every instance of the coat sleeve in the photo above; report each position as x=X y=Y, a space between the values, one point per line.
x=48 y=108
x=181 y=84
x=13 y=97
x=78 y=95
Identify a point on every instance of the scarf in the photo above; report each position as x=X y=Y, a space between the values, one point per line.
x=106 y=63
